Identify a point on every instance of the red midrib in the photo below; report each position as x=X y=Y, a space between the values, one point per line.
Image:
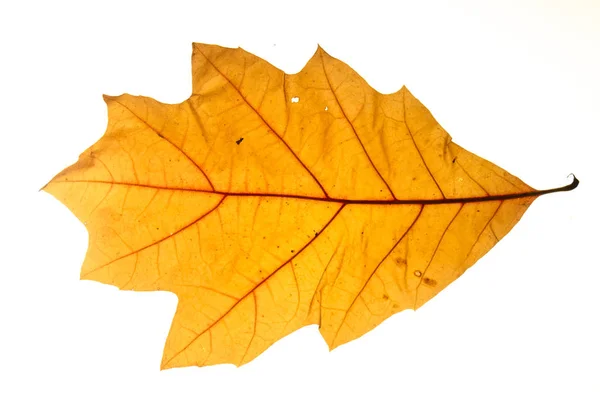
x=475 y=199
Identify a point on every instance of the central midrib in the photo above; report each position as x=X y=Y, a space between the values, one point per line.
x=457 y=200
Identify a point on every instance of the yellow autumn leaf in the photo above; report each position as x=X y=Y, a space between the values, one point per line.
x=269 y=201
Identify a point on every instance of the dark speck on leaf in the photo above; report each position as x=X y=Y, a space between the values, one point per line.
x=429 y=282
x=239 y=140
x=454 y=160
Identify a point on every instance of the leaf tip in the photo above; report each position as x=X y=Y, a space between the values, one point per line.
x=321 y=51
x=404 y=90
x=107 y=98
x=196 y=46
x=204 y=48
x=166 y=363
x=332 y=344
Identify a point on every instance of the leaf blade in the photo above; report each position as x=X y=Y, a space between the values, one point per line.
x=268 y=201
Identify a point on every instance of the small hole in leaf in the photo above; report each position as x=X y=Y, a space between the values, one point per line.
x=295 y=99
x=326 y=108
x=418 y=273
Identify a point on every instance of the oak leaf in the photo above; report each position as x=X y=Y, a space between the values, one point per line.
x=268 y=201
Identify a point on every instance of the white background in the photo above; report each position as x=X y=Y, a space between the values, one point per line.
x=517 y=82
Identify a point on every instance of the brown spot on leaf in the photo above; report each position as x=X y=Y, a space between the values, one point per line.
x=430 y=282
x=239 y=140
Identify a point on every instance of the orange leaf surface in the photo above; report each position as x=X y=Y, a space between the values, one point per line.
x=268 y=201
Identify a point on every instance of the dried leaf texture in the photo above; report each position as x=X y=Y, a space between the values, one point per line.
x=268 y=201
